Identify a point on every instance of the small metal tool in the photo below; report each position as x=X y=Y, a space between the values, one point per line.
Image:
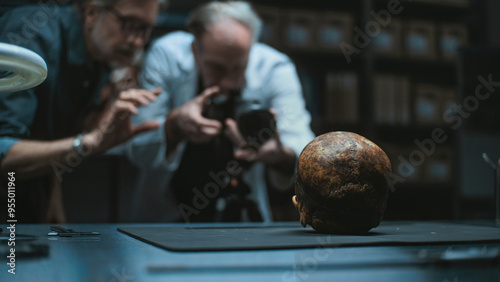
x=63 y=232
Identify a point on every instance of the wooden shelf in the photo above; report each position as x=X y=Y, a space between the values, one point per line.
x=410 y=133
x=438 y=72
x=435 y=10
x=321 y=60
x=317 y=5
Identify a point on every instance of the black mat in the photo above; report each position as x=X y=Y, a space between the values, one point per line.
x=222 y=238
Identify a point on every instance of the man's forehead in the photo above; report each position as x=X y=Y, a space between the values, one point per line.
x=228 y=32
x=144 y=10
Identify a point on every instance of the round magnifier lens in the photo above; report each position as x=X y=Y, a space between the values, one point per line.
x=20 y=68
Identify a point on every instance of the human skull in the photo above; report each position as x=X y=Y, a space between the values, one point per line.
x=341 y=184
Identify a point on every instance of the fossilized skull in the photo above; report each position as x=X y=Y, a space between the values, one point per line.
x=341 y=184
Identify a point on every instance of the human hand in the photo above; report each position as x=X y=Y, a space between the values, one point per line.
x=139 y=97
x=189 y=121
x=115 y=126
x=272 y=152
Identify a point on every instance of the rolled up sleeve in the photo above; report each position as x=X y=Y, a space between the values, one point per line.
x=18 y=109
x=5 y=144
x=16 y=115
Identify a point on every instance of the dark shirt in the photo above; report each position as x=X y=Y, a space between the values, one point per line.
x=193 y=182
x=197 y=162
x=56 y=108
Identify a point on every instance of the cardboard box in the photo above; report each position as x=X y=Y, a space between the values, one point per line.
x=350 y=102
x=341 y=97
x=299 y=29
x=333 y=29
x=388 y=41
x=428 y=109
x=272 y=21
x=449 y=101
x=382 y=99
x=420 y=40
x=391 y=99
x=451 y=38
x=439 y=166
x=402 y=100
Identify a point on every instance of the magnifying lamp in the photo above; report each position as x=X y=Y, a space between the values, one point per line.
x=20 y=68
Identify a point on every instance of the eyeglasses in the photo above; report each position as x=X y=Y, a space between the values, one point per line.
x=130 y=26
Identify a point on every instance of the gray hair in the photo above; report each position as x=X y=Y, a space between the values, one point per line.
x=216 y=11
x=81 y=4
x=112 y=2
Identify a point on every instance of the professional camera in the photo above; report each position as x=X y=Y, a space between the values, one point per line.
x=222 y=106
x=257 y=125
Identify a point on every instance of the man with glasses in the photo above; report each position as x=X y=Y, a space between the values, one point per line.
x=129 y=25
x=46 y=132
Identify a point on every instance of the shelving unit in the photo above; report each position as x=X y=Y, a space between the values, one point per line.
x=419 y=64
x=429 y=83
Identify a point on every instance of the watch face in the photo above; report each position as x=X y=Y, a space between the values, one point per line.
x=78 y=145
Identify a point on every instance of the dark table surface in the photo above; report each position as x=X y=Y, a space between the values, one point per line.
x=114 y=256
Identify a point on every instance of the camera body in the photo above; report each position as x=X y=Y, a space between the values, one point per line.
x=221 y=107
x=256 y=124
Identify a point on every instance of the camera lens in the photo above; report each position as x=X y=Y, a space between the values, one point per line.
x=257 y=126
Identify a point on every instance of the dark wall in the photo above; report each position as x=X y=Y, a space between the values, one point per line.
x=493 y=22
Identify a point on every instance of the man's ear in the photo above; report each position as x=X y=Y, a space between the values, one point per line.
x=90 y=14
x=299 y=208
x=195 y=49
x=294 y=200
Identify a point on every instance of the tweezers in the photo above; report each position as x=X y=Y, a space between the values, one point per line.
x=63 y=232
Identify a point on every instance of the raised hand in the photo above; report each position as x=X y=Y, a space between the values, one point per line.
x=187 y=122
x=139 y=97
x=271 y=152
x=115 y=125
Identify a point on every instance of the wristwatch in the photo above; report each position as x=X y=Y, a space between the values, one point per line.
x=78 y=144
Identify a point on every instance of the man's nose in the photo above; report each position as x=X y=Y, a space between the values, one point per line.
x=226 y=82
x=229 y=81
x=138 y=41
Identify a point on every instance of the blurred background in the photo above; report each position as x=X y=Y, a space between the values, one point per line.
x=420 y=78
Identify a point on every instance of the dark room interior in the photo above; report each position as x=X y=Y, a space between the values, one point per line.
x=420 y=79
